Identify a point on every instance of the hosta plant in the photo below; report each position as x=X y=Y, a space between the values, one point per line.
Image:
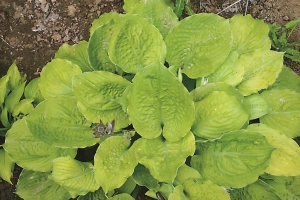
x=194 y=109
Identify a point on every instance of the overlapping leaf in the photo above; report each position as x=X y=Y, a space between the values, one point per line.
x=234 y=160
x=285 y=111
x=135 y=43
x=199 y=44
x=285 y=158
x=56 y=78
x=58 y=121
x=114 y=162
x=162 y=157
x=159 y=103
x=96 y=94
x=258 y=106
x=75 y=176
x=29 y=152
x=6 y=166
x=37 y=186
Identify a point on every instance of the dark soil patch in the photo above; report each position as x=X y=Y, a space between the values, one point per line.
x=31 y=31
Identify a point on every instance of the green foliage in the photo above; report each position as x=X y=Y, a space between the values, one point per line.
x=280 y=39
x=156 y=102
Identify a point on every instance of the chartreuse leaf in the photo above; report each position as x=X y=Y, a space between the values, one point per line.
x=114 y=162
x=219 y=109
x=143 y=177
x=14 y=97
x=234 y=160
x=29 y=152
x=185 y=172
x=159 y=103
x=199 y=44
x=58 y=121
x=228 y=72
x=262 y=68
x=178 y=194
x=98 y=48
x=102 y=20
x=4 y=118
x=160 y=15
x=135 y=43
x=285 y=111
x=76 y=53
x=6 y=166
x=14 y=76
x=256 y=190
x=163 y=158
x=98 y=194
x=96 y=94
x=164 y=191
x=56 y=78
x=36 y=185
x=258 y=106
x=23 y=107
x=287 y=79
x=32 y=91
x=129 y=5
x=204 y=189
x=123 y=196
x=249 y=34
x=4 y=89
x=128 y=186
x=75 y=176
x=285 y=158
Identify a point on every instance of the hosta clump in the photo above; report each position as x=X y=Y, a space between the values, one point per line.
x=164 y=104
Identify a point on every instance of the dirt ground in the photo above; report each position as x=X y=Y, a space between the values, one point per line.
x=31 y=31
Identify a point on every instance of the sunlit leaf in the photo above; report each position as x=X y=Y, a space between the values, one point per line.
x=29 y=152
x=56 y=78
x=58 y=121
x=123 y=196
x=36 y=186
x=74 y=175
x=258 y=106
x=96 y=94
x=6 y=166
x=114 y=162
x=32 y=91
x=3 y=88
x=163 y=158
x=234 y=160
x=199 y=44
x=159 y=103
x=14 y=97
x=14 y=76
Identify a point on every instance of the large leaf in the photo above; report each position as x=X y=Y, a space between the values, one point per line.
x=285 y=111
x=234 y=160
x=102 y=20
x=6 y=166
x=29 y=152
x=143 y=177
x=163 y=158
x=197 y=189
x=56 y=78
x=98 y=48
x=228 y=72
x=184 y=173
x=285 y=158
x=58 y=121
x=96 y=94
x=159 y=103
x=256 y=190
x=249 y=34
x=75 y=176
x=262 y=68
x=160 y=15
x=77 y=54
x=199 y=44
x=114 y=162
x=219 y=109
x=287 y=79
x=135 y=43
x=123 y=196
x=36 y=186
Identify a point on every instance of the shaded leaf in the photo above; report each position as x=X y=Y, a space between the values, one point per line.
x=6 y=166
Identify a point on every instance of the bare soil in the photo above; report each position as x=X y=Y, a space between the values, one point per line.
x=31 y=31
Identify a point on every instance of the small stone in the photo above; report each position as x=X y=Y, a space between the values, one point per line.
x=71 y=10
x=285 y=18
